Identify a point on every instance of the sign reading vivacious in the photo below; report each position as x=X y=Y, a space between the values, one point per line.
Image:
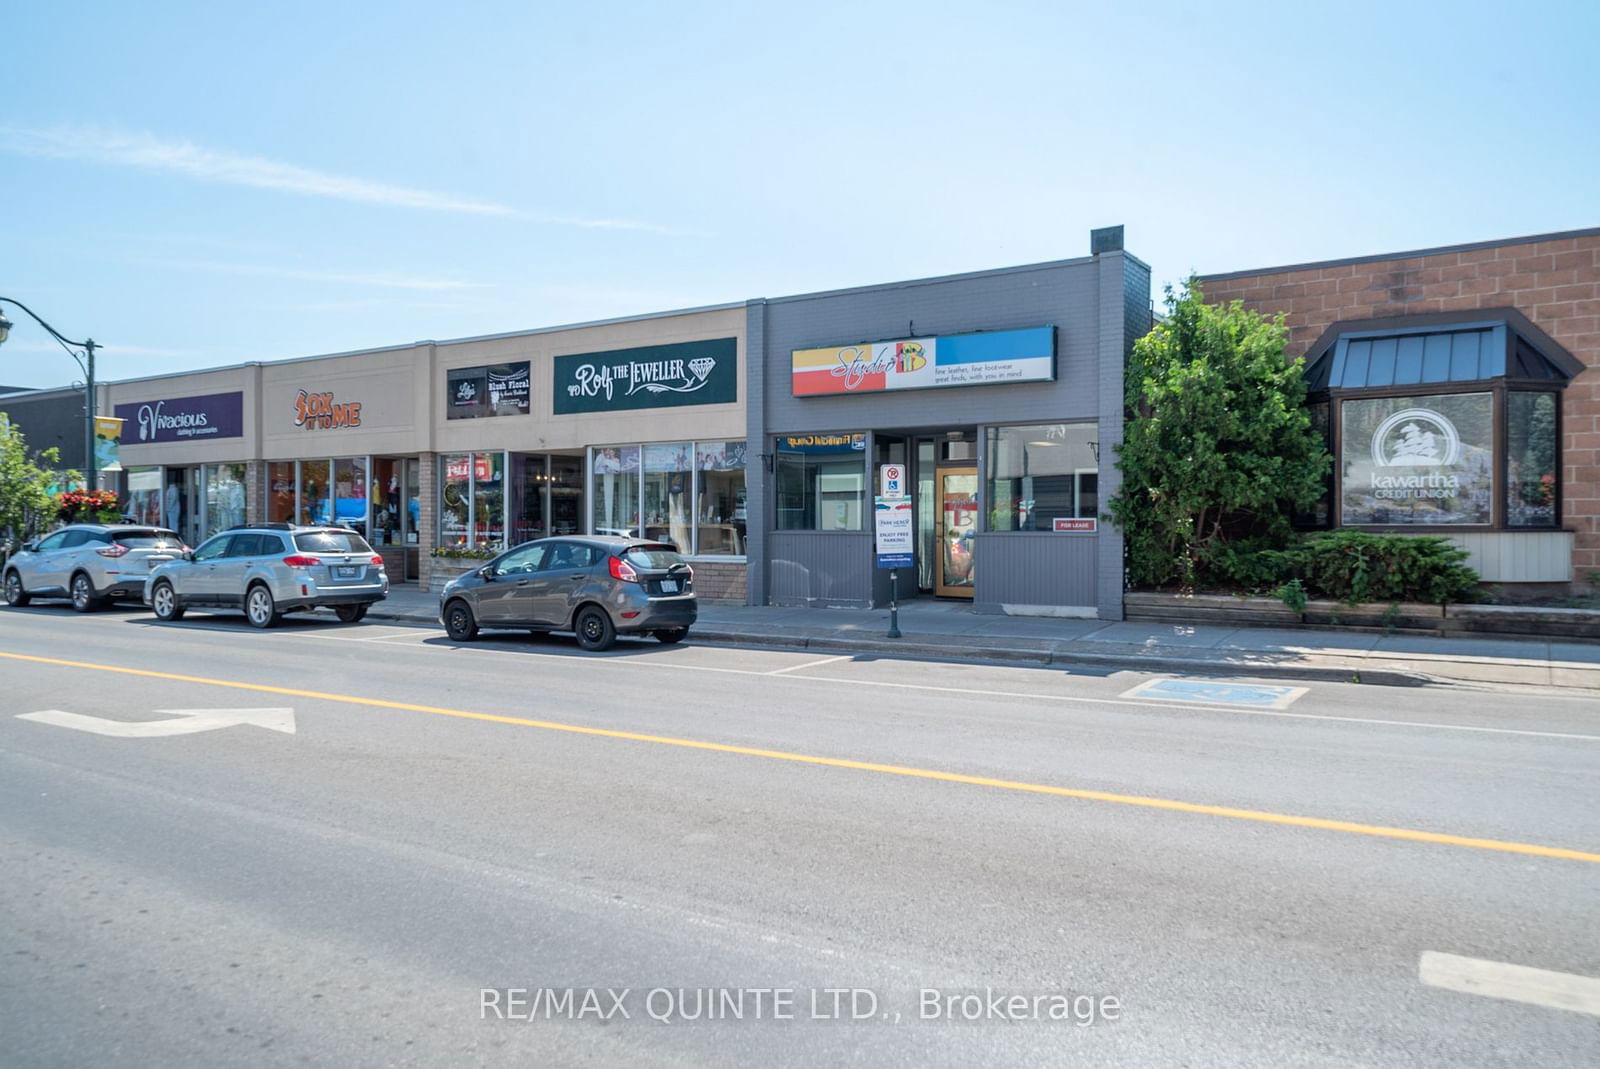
x=982 y=359
x=655 y=376
x=182 y=419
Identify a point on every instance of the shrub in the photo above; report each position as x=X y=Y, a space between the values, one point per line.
x=1355 y=566
x=1219 y=452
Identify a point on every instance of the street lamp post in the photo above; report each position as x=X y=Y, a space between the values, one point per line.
x=85 y=364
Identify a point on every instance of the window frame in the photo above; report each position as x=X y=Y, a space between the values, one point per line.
x=868 y=485
x=692 y=551
x=1499 y=391
x=984 y=479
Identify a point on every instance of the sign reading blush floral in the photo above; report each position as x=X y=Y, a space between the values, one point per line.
x=653 y=376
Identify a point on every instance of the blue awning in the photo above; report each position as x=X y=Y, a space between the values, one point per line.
x=1424 y=355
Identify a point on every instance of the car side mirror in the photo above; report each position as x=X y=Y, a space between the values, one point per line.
x=486 y=573
x=188 y=554
x=29 y=547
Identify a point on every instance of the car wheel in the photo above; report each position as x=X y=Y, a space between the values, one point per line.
x=350 y=614
x=164 y=600
x=672 y=635
x=16 y=597
x=259 y=608
x=458 y=622
x=83 y=598
x=594 y=628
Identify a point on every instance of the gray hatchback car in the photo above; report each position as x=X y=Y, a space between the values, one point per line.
x=596 y=587
x=89 y=563
x=270 y=569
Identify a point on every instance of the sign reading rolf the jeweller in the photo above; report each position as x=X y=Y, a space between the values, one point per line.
x=654 y=376
x=182 y=419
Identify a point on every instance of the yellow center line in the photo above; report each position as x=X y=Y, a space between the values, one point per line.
x=1170 y=805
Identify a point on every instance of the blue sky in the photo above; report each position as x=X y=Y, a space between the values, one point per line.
x=196 y=184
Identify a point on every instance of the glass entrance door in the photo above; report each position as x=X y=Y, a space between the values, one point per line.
x=958 y=529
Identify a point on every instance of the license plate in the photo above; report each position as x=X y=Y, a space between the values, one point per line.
x=347 y=571
x=669 y=586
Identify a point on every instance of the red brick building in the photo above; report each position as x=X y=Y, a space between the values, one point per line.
x=1461 y=390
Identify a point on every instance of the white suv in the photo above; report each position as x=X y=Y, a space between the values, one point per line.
x=90 y=564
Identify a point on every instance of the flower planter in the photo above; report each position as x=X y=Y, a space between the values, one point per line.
x=1226 y=609
x=443 y=569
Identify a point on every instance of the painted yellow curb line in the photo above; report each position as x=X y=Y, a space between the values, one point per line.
x=1142 y=801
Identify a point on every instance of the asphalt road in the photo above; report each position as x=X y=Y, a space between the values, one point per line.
x=449 y=829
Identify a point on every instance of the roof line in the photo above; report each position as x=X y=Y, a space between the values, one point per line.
x=936 y=279
x=673 y=313
x=1409 y=254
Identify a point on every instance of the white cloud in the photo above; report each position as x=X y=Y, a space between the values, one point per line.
x=379 y=279
x=150 y=153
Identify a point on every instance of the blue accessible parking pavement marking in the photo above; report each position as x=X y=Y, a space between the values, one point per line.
x=1250 y=695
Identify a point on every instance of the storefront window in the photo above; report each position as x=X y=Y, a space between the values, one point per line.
x=1417 y=460
x=280 y=492
x=566 y=495
x=386 y=522
x=1040 y=473
x=616 y=490
x=224 y=497
x=455 y=498
x=821 y=483
x=1531 y=460
x=668 y=486
x=526 y=506
x=350 y=494
x=316 y=500
x=144 y=496
x=720 y=491
x=488 y=499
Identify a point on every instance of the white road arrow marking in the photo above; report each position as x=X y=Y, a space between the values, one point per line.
x=184 y=722
x=1519 y=983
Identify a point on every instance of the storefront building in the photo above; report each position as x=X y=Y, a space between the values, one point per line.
x=996 y=396
x=441 y=450
x=1459 y=388
x=751 y=436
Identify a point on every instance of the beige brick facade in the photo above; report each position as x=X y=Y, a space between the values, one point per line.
x=1554 y=280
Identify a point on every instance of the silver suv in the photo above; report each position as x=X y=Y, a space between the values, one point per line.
x=269 y=569
x=90 y=563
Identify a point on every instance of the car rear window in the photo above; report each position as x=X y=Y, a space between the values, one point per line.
x=331 y=542
x=653 y=557
x=148 y=538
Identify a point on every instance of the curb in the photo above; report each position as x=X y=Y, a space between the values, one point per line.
x=1383 y=677
x=913 y=649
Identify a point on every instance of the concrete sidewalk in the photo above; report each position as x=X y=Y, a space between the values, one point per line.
x=950 y=631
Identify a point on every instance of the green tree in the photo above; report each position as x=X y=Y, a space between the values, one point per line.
x=1218 y=453
x=26 y=504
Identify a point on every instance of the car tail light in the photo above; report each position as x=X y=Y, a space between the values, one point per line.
x=115 y=549
x=297 y=561
x=621 y=569
x=377 y=560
